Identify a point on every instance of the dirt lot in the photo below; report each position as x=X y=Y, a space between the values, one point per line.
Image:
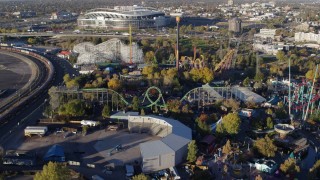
x=93 y=148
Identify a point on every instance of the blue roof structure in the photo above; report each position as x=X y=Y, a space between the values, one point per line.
x=55 y=153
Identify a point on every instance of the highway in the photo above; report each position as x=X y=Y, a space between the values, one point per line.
x=70 y=34
x=30 y=113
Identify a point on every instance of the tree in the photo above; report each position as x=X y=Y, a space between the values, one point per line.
x=269 y=123
x=142 y=113
x=310 y=75
x=32 y=40
x=259 y=76
x=230 y=124
x=281 y=56
x=140 y=177
x=149 y=57
x=258 y=177
x=105 y=111
x=289 y=166
x=114 y=83
x=246 y=81
x=74 y=107
x=53 y=171
x=231 y=103
x=192 y=151
x=174 y=105
x=84 y=129
x=135 y=103
x=314 y=172
x=66 y=78
x=226 y=149
x=265 y=146
x=54 y=98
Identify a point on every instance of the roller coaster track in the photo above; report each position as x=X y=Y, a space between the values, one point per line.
x=206 y=95
x=44 y=76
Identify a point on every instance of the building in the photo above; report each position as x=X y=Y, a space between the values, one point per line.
x=63 y=15
x=268 y=166
x=55 y=153
x=265 y=34
x=306 y=37
x=230 y=2
x=22 y=158
x=246 y=95
x=235 y=25
x=24 y=14
x=120 y=17
x=167 y=152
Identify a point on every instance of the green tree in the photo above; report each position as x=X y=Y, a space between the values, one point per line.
x=74 y=107
x=269 y=123
x=246 y=81
x=142 y=113
x=105 y=111
x=54 y=98
x=230 y=124
x=149 y=57
x=314 y=172
x=85 y=129
x=290 y=166
x=259 y=76
x=192 y=151
x=135 y=103
x=226 y=149
x=53 y=171
x=140 y=177
x=265 y=146
x=281 y=56
x=66 y=78
x=32 y=40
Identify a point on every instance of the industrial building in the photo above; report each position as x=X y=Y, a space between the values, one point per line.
x=55 y=153
x=120 y=17
x=246 y=95
x=235 y=25
x=167 y=152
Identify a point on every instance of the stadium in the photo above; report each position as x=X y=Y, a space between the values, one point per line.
x=120 y=17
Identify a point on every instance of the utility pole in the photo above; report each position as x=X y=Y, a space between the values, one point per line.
x=130 y=39
x=177 y=53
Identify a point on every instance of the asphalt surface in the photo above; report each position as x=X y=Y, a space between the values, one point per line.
x=14 y=74
x=30 y=113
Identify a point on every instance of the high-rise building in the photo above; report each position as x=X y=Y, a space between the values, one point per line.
x=235 y=25
x=230 y=2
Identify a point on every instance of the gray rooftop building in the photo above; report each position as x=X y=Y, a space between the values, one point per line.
x=168 y=152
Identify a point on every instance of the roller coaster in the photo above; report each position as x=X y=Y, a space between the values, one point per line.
x=201 y=96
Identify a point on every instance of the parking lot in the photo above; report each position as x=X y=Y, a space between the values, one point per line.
x=94 y=148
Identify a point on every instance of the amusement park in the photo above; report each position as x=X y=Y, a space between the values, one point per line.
x=155 y=97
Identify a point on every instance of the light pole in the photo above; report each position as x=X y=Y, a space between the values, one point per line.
x=177 y=46
x=219 y=152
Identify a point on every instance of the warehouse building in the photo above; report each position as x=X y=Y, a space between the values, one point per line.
x=168 y=152
x=246 y=95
